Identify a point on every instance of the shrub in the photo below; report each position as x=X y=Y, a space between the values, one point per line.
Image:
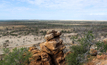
x=13 y=34
x=105 y=47
x=44 y=33
x=80 y=51
x=16 y=57
x=72 y=59
x=101 y=46
x=4 y=34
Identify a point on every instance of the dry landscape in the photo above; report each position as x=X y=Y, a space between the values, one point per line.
x=25 y=33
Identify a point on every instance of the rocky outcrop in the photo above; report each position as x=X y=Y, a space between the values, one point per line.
x=93 y=50
x=105 y=40
x=39 y=57
x=98 y=60
x=51 y=51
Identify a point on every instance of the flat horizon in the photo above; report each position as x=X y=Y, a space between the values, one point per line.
x=53 y=9
x=49 y=20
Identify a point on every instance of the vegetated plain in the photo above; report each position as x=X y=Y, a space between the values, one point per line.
x=25 y=33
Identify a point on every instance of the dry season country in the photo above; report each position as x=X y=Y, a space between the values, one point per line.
x=53 y=42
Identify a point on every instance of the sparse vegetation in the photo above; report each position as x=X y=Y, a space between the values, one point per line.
x=79 y=52
x=16 y=57
x=101 y=46
x=75 y=57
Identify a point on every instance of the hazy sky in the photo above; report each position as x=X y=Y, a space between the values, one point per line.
x=53 y=9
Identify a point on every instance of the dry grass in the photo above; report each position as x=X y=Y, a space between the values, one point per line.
x=57 y=29
x=11 y=26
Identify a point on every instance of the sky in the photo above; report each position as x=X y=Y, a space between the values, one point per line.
x=53 y=9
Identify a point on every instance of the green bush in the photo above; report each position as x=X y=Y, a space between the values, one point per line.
x=4 y=34
x=105 y=47
x=43 y=32
x=72 y=58
x=16 y=57
x=13 y=34
x=80 y=51
x=101 y=46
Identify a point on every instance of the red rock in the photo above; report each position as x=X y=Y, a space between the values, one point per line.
x=53 y=44
x=60 y=60
x=35 y=51
x=51 y=31
x=35 y=63
x=45 y=56
x=41 y=58
x=51 y=52
x=37 y=56
x=58 y=40
x=57 y=34
x=93 y=52
x=32 y=48
x=105 y=40
x=44 y=48
x=61 y=47
x=99 y=60
x=49 y=36
x=46 y=59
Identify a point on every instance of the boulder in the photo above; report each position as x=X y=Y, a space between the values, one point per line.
x=39 y=58
x=60 y=60
x=51 y=31
x=51 y=51
x=45 y=56
x=35 y=51
x=94 y=46
x=52 y=45
x=32 y=48
x=105 y=40
x=93 y=52
x=52 y=34
x=103 y=56
x=57 y=34
x=36 y=57
x=49 y=36
x=44 y=48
